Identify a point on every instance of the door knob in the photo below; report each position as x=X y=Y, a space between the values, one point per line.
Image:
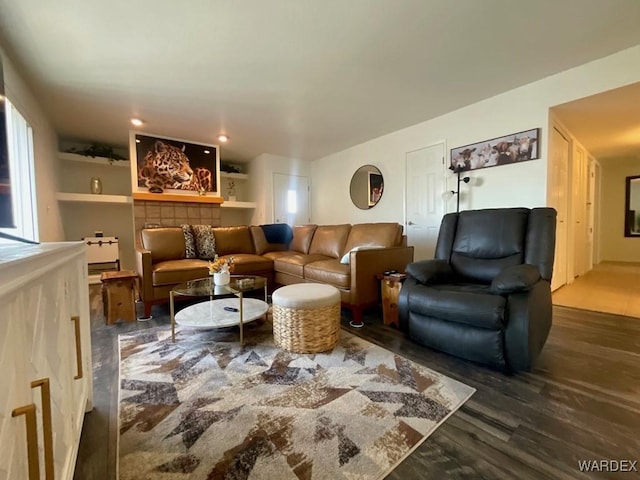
x=410 y=223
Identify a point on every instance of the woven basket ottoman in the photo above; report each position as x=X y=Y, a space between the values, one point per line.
x=306 y=317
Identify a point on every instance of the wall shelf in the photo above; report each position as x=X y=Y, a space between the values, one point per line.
x=93 y=198
x=74 y=157
x=236 y=176
x=228 y=204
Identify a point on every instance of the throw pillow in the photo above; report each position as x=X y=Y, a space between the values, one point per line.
x=346 y=257
x=278 y=233
x=205 y=241
x=189 y=242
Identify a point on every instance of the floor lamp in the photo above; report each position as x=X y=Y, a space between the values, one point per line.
x=450 y=193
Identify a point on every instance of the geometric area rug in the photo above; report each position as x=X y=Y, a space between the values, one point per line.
x=206 y=407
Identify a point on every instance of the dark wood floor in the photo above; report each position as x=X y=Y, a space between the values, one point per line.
x=581 y=402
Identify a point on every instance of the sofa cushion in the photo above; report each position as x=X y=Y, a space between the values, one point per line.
x=329 y=271
x=231 y=240
x=262 y=245
x=164 y=243
x=471 y=304
x=294 y=264
x=246 y=263
x=302 y=236
x=372 y=234
x=279 y=254
x=171 y=272
x=329 y=240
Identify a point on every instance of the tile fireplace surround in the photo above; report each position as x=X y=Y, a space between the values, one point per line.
x=170 y=214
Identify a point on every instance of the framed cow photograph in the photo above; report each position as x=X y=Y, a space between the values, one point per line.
x=171 y=165
x=512 y=148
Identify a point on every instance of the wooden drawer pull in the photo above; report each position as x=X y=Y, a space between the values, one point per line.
x=46 y=425
x=76 y=320
x=29 y=411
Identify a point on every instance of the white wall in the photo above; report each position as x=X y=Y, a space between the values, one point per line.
x=520 y=109
x=261 y=170
x=614 y=245
x=45 y=150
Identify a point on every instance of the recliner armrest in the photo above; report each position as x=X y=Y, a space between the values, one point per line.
x=431 y=271
x=517 y=278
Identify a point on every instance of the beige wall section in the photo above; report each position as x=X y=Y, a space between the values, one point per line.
x=235 y=216
x=45 y=145
x=520 y=109
x=261 y=170
x=614 y=245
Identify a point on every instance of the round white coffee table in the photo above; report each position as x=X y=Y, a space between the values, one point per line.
x=212 y=314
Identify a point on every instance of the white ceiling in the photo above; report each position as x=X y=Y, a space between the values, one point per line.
x=607 y=124
x=299 y=78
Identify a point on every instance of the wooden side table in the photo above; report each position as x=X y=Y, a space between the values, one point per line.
x=118 y=295
x=390 y=286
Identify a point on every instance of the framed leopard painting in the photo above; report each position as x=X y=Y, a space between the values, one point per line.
x=162 y=164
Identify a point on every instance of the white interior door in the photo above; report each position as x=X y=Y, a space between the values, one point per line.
x=558 y=199
x=290 y=199
x=425 y=207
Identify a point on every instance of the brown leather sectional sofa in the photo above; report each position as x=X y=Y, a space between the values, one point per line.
x=314 y=255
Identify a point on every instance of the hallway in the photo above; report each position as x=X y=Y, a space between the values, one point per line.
x=611 y=287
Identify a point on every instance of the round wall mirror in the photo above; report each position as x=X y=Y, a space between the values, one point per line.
x=366 y=187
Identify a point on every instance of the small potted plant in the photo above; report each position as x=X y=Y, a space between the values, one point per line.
x=231 y=190
x=220 y=269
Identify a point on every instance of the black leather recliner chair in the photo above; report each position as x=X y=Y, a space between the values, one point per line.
x=487 y=296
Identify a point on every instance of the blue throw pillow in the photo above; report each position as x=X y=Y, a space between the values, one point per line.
x=278 y=233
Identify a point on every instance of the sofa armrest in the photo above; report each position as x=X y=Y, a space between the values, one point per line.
x=517 y=278
x=145 y=272
x=431 y=271
x=366 y=264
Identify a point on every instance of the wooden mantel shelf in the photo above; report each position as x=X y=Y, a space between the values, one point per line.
x=173 y=197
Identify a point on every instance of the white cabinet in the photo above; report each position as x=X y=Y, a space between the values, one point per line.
x=111 y=212
x=44 y=341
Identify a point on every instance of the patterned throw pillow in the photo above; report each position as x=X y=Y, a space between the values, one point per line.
x=205 y=241
x=189 y=241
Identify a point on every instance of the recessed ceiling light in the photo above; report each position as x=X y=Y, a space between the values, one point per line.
x=207 y=152
x=223 y=138
x=136 y=122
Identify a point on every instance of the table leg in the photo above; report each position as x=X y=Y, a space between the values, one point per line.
x=241 y=337
x=173 y=317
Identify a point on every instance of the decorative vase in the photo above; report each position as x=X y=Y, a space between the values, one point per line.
x=221 y=278
x=96 y=185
